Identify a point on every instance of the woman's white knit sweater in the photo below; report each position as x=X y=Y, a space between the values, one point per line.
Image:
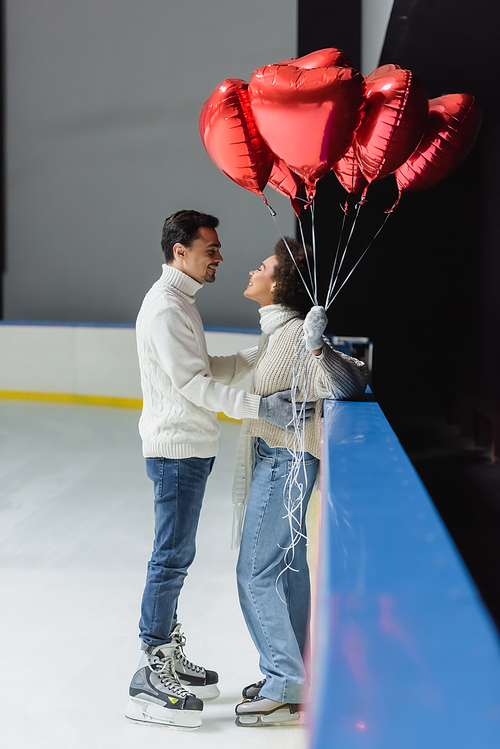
x=183 y=387
x=330 y=375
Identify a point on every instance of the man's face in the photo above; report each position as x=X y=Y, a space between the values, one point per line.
x=200 y=261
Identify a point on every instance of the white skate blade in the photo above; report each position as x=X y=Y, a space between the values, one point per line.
x=206 y=692
x=148 y=712
x=278 y=718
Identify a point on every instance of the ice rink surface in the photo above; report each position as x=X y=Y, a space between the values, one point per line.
x=76 y=524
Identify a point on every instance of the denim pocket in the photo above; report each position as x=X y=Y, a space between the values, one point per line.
x=270 y=454
x=262 y=448
x=154 y=470
x=303 y=463
x=308 y=459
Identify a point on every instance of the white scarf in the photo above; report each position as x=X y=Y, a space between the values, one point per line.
x=272 y=317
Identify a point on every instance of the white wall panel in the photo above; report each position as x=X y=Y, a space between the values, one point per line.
x=37 y=358
x=94 y=361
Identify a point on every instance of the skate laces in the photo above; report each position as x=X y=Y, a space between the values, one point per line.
x=179 y=638
x=179 y=654
x=164 y=668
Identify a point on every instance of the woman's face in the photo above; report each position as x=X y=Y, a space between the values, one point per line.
x=261 y=284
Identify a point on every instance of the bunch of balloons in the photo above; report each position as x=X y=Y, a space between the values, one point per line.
x=300 y=118
x=297 y=120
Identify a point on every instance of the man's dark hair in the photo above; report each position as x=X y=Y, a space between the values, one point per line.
x=290 y=290
x=183 y=227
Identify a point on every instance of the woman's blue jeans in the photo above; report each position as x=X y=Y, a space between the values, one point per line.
x=276 y=606
x=179 y=486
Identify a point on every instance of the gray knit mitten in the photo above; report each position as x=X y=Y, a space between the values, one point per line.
x=278 y=409
x=314 y=327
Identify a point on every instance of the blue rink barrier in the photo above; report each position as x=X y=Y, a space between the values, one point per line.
x=405 y=655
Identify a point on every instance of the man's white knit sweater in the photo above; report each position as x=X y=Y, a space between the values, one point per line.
x=183 y=387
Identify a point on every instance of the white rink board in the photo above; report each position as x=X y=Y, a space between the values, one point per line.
x=85 y=360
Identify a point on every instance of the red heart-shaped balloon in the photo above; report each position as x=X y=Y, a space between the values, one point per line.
x=394 y=122
x=321 y=58
x=288 y=183
x=347 y=169
x=348 y=172
x=308 y=117
x=452 y=127
x=231 y=138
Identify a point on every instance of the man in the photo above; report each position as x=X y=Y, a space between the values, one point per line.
x=183 y=389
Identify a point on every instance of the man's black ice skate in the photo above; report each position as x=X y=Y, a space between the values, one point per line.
x=200 y=681
x=156 y=694
x=260 y=711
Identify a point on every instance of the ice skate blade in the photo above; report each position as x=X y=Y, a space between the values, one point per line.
x=147 y=712
x=278 y=718
x=205 y=693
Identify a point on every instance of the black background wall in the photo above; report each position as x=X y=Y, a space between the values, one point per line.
x=429 y=279
x=428 y=291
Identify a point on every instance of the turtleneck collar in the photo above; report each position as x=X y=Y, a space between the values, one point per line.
x=274 y=315
x=179 y=280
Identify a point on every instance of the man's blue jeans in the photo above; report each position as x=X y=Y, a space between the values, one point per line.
x=179 y=486
x=276 y=606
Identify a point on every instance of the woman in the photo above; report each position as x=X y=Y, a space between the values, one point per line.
x=272 y=571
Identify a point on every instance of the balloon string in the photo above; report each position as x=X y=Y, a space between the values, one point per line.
x=305 y=251
x=269 y=207
x=313 y=228
x=294 y=261
x=294 y=506
x=337 y=275
x=332 y=275
x=359 y=260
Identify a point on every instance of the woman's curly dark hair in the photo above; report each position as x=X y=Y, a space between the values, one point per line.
x=289 y=289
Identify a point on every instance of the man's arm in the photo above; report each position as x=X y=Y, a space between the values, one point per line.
x=232 y=369
x=179 y=356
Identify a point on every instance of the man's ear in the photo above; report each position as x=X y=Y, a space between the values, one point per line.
x=179 y=250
